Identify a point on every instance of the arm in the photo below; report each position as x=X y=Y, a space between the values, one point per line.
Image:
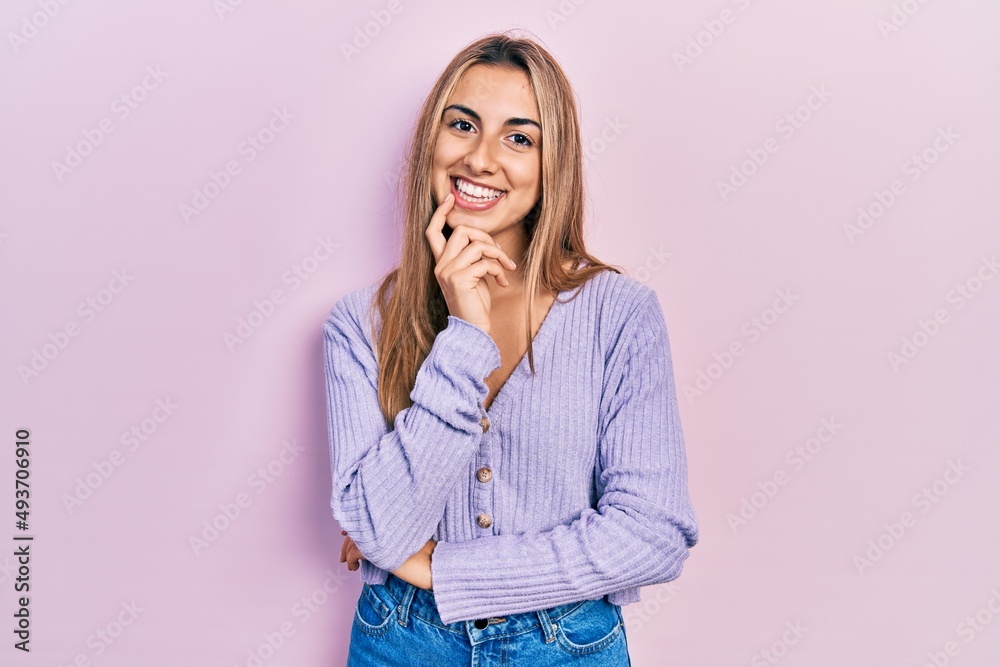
x=390 y=488
x=644 y=523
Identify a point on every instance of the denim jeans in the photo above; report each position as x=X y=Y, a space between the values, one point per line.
x=397 y=623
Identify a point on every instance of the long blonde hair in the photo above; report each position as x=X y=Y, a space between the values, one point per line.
x=412 y=317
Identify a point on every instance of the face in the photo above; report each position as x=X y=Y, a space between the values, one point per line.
x=490 y=138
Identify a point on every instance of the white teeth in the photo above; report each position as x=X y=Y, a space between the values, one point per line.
x=476 y=191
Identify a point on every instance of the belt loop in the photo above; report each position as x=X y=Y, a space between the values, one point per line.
x=404 y=604
x=548 y=627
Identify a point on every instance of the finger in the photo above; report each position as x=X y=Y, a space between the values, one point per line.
x=343 y=549
x=488 y=267
x=463 y=236
x=347 y=547
x=434 y=232
x=478 y=251
x=354 y=556
x=351 y=559
x=476 y=234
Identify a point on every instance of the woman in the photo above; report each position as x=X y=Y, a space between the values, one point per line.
x=498 y=512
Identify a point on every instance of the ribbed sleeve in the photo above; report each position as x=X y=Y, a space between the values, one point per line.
x=390 y=488
x=643 y=525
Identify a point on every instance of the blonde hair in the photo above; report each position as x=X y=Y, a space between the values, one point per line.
x=412 y=317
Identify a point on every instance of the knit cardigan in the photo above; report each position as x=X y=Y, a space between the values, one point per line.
x=572 y=486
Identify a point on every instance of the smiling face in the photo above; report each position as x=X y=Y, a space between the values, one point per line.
x=489 y=150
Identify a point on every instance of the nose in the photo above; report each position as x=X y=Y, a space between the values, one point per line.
x=481 y=158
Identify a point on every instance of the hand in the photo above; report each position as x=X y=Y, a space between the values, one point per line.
x=349 y=553
x=462 y=263
x=415 y=570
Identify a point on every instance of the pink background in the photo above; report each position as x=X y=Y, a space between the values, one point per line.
x=662 y=134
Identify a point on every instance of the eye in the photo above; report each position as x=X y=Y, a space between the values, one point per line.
x=520 y=139
x=527 y=140
x=459 y=121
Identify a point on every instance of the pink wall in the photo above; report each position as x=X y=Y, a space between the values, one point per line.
x=785 y=311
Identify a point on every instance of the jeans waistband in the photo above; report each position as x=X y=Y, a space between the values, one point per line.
x=413 y=600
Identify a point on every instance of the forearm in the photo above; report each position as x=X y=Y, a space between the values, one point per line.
x=390 y=488
x=417 y=568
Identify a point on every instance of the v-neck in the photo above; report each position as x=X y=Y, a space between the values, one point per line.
x=539 y=345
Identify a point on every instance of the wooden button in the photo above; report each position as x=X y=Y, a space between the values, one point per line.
x=484 y=474
x=485 y=521
x=485 y=423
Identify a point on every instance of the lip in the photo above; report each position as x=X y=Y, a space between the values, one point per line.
x=482 y=185
x=472 y=206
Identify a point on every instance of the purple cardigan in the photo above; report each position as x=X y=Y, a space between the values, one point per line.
x=572 y=486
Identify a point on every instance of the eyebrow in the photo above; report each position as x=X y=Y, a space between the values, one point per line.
x=510 y=122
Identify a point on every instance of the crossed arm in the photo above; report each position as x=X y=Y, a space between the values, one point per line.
x=638 y=534
x=416 y=570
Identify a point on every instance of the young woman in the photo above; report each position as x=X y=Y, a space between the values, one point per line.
x=506 y=451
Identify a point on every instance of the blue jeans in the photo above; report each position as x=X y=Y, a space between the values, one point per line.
x=397 y=623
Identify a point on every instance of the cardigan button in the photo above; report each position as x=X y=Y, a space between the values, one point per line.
x=484 y=520
x=485 y=423
x=484 y=474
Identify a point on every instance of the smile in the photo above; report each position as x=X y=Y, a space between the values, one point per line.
x=474 y=197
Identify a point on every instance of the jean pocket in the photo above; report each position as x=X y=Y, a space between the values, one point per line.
x=592 y=626
x=375 y=611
